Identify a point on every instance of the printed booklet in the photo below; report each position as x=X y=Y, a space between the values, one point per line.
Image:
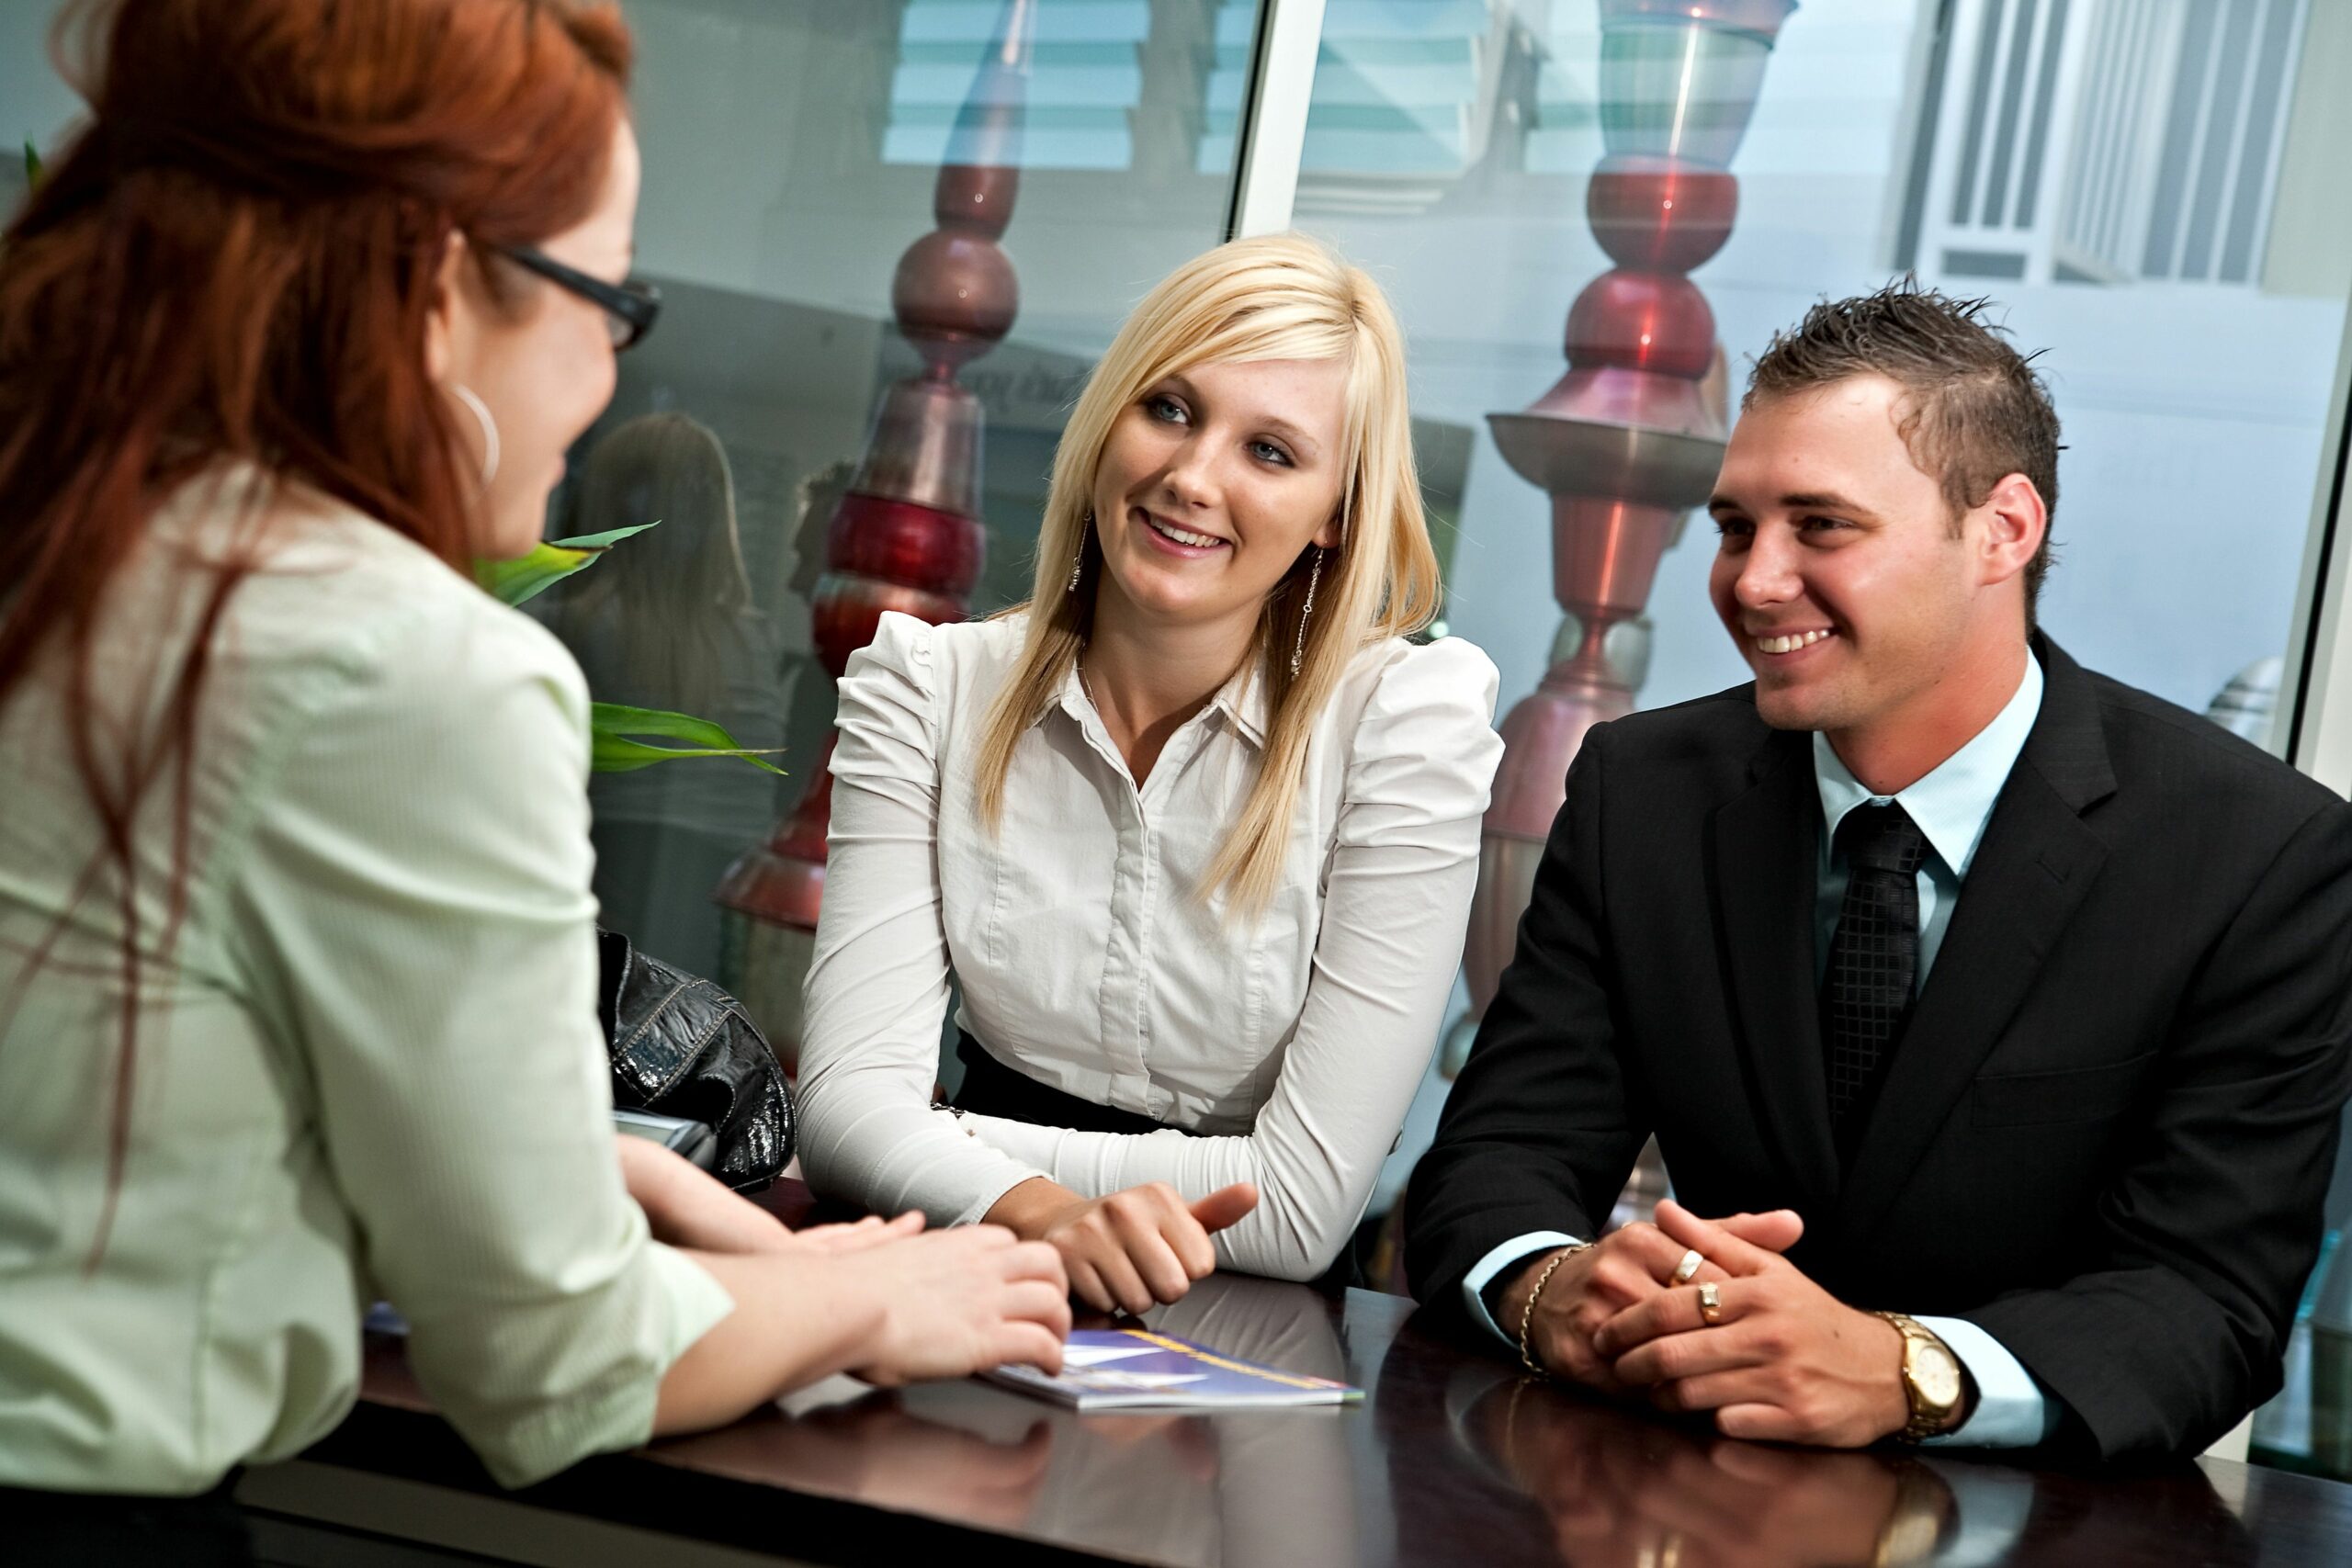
x=1133 y=1368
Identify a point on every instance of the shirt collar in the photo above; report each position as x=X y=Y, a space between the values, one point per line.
x=1954 y=801
x=1242 y=701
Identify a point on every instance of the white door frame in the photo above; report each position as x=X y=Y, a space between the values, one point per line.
x=2315 y=715
x=1273 y=134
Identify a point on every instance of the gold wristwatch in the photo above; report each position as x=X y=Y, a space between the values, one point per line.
x=1932 y=1381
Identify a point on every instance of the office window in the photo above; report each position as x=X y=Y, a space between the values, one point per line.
x=2149 y=189
x=792 y=157
x=2192 y=391
x=1083 y=87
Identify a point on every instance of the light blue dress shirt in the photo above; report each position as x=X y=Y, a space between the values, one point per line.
x=1952 y=805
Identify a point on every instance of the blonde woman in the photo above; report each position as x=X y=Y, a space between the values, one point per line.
x=1195 y=829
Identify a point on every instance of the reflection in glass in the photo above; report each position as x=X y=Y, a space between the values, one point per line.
x=1084 y=84
x=794 y=153
x=906 y=535
x=1628 y=441
x=1681 y=80
x=669 y=624
x=1265 y=1321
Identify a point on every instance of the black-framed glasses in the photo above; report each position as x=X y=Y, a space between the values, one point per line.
x=630 y=309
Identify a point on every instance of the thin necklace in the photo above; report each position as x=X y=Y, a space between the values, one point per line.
x=1087 y=686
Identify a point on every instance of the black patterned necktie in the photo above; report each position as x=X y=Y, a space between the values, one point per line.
x=1874 y=954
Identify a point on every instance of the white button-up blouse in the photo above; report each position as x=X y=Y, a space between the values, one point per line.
x=1293 y=1041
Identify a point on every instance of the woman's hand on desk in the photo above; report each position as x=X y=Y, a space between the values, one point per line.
x=959 y=1300
x=687 y=1206
x=856 y=1236
x=880 y=1301
x=1126 y=1251
x=937 y=1306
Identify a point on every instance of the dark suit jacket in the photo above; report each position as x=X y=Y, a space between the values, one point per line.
x=2108 y=1128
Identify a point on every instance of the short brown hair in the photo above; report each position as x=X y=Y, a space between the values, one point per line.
x=1974 y=411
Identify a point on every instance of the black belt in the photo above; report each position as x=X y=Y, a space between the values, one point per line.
x=992 y=1089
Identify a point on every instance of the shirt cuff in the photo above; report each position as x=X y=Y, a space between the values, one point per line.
x=621 y=1417
x=698 y=1300
x=1034 y=1151
x=1482 y=1274
x=2011 y=1412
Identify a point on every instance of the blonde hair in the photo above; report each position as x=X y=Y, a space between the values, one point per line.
x=1277 y=297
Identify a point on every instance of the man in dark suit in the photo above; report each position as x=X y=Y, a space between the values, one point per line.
x=1989 y=990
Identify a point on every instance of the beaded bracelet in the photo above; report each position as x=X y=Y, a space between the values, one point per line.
x=1527 y=1313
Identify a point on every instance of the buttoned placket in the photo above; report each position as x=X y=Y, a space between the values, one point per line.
x=1125 y=1000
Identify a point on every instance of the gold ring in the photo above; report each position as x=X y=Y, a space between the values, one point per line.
x=1691 y=1263
x=1711 y=1304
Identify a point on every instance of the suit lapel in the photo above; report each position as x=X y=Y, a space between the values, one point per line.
x=1765 y=843
x=2037 y=862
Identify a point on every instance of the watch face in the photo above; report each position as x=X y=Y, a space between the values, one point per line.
x=1936 y=1375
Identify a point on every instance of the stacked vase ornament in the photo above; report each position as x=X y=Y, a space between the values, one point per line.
x=907 y=535
x=1629 y=440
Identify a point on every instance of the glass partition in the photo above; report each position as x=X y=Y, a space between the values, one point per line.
x=891 y=238
x=2142 y=186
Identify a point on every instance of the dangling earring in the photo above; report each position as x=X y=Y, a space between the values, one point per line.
x=1298 y=648
x=465 y=395
x=1078 y=562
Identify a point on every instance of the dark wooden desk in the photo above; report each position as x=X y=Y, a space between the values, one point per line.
x=1452 y=1459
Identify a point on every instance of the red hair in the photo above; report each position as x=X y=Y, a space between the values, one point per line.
x=237 y=257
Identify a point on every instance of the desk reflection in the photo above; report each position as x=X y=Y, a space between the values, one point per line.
x=1616 y=1488
x=868 y=1447
x=1456 y=1462
x=1253 y=1486
x=1619 y=1488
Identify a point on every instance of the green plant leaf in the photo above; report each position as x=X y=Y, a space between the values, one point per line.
x=625 y=720
x=550 y=562
x=512 y=582
x=611 y=724
x=32 y=165
x=606 y=540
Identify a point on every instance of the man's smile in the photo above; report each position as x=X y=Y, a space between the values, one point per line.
x=1781 y=643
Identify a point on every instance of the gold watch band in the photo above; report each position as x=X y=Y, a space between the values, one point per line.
x=1926 y=1420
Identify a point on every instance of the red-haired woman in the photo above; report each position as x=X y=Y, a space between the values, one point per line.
x=296 y=958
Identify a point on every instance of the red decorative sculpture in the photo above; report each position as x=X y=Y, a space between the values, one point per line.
x=1627 y=442
x=907 y=536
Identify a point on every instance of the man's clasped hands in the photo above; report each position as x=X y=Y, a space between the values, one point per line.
x=1741 y=1333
